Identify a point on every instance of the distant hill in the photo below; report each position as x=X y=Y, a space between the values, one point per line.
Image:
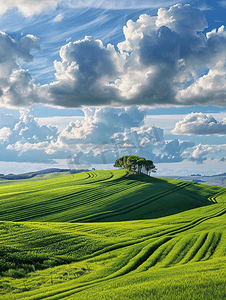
x=218 y=179
x=222 y=174
x=41 y=172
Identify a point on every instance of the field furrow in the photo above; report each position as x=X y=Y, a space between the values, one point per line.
x=96 y=235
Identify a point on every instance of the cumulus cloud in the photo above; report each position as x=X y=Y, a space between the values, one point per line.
x=26 y=140
x=103 y=135
x=100 y=124
x=81 y=75
x=28 y=128
x=158 y=63
x=209 y=89
x=25 y=136
x=17 y=87
x=107 y=133
x=173 y=151
x=200 y=124
x=5 y=132
x=201 y=151
x=184 y=20
x=163 y=60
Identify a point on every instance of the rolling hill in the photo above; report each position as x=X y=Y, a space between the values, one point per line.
x=110 y=235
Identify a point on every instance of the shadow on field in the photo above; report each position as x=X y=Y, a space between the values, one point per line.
x=154 y=198
x=125 y=198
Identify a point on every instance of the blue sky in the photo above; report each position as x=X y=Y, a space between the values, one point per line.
x=83 y=82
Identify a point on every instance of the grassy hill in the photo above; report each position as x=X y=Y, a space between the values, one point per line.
x=101 y=196
x=61 y=238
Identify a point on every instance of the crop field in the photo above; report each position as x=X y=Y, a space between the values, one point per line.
x=110 y=235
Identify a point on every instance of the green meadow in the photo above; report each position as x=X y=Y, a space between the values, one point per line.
x=111 y=235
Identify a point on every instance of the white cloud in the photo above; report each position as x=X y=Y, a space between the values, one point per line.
x=16 y=85
x=209 y=89
x=123 y=4
x=173 y=151
x=58 y=18
x=201 y=151
x=158 y=59
x=24 y=147
x=158 y=63
x=184 y=20
x=5 y=132
x=83 y=73
x=166 y=122
x=100 y=125
x=100 y=136
x=26 y=140
x=28 y=7
x=31 y=7
x=200 y=124
x=61 y=122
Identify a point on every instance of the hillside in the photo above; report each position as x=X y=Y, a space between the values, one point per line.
x=61 y=238
x=101 y=196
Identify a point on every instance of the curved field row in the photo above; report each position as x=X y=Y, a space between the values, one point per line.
x=101 y=256
x=99 y=196
x=220 y=197
x=63 y=181
x=107 y=260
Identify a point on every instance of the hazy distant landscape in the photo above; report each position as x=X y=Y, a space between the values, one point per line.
x=219 y=180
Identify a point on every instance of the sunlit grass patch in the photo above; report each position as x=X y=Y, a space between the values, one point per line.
x=104 y=235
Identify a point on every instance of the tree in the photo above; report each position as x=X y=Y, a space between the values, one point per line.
x=149 y=166
x=135 y=163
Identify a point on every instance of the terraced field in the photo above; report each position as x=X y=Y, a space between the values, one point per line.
x=106 y=235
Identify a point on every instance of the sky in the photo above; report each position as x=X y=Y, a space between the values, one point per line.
x=85 y=82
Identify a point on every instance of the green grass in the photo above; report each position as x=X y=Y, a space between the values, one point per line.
x=101 y=196
x=107 y=235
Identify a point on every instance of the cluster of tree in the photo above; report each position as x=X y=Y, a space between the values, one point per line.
x=135 y=163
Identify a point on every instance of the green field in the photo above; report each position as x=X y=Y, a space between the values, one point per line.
x=110 y=235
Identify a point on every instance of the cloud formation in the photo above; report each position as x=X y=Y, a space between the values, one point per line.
x=82 y=73
x=103 y=135
x=28 y=7
x=16 y=84
x=123 y=4
x=200 y=124
x=158 y=63
x=31 y=7
x=173 y=151
x=5 y=132
x=25 y=140
x=163 y=60
x=202 y=151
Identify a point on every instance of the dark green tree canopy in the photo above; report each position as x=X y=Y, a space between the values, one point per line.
x=135 y=163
